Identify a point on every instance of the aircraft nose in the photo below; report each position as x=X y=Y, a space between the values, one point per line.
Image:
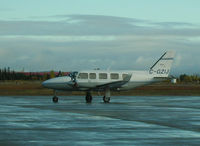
x=45 y=83
x=49 y=83
x=56 y=82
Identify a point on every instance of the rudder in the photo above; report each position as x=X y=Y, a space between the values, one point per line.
x=162 y=67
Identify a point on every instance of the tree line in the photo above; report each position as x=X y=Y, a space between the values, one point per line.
x=189 y=78
x=7 y=74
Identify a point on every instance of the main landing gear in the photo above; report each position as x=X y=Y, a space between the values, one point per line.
x=55 y=98
x=88 y=97
x=106 y=98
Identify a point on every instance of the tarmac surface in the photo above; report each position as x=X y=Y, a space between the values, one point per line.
x=127 y=120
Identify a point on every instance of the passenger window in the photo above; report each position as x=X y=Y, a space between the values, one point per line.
x=83 y=76
x=103 y=76
x=92 y=75
x=114 y=76
x=124 y=75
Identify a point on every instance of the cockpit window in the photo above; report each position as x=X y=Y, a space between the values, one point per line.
x=73 y=74
x=83 y=76
x=92 y=75
x=103 y=76
x=114 y=76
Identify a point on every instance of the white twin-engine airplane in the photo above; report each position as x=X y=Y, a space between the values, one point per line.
x=101 y=80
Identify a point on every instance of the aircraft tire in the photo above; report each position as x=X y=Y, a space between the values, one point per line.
x=55 y=99
x=106 y=99
x=88 y=98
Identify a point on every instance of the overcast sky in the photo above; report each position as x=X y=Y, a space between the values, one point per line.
x=42 y=35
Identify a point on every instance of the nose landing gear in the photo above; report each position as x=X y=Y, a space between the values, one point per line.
x=55 y=98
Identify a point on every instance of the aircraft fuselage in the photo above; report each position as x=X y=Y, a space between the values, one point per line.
x=93 y=80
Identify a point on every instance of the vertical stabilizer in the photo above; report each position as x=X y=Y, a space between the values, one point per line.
x=162 y=67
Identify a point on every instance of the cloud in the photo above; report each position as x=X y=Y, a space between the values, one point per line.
x=73 y=42
x=177 y=60
x=176 y=25
x=59 y=39
x=95 y=25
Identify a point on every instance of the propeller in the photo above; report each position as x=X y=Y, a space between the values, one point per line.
x=73 y=75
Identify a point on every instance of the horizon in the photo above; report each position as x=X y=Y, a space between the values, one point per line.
x=68 y=71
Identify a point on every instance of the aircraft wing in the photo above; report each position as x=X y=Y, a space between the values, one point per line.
x=116 y=84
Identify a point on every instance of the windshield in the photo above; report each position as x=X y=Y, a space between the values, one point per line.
x=73 y=74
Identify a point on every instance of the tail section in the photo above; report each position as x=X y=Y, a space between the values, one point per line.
x=162 y=67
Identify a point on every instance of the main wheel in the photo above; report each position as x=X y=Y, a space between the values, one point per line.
x=55 y=99
x=106 y=99
x=88 y=98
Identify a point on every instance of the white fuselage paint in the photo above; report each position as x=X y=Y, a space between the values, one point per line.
x=138 y=78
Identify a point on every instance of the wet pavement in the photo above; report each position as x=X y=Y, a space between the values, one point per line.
x=139 y=120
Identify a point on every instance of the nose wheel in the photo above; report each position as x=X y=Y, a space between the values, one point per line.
x=55 y=99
